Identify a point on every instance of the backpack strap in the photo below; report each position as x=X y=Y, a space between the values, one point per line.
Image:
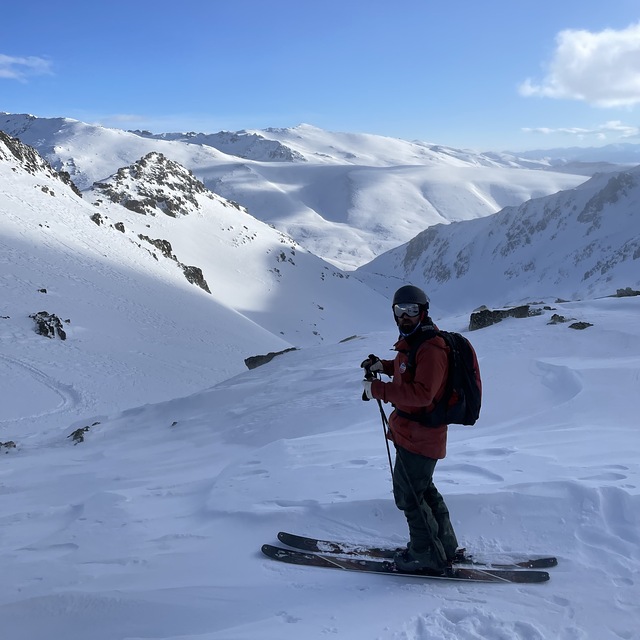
x=436 y=416
x=427 y=333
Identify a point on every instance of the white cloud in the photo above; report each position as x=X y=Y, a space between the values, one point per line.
x=20 y=67
x=613 y=128
x=602 y=69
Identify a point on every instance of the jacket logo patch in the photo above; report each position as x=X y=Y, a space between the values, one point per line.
x=403 y=367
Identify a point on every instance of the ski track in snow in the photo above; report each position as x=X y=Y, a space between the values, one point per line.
x=34 y=378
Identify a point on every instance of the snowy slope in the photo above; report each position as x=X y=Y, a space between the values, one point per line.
x=134 y=317
x=354 y=197
x=247 y=265
x=126 y=309
x=151 y=527
x=149 y=524
x=573 y=244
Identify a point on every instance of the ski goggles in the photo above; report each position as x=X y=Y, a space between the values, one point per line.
x=406 y=308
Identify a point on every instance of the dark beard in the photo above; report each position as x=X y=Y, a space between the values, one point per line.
x=406 y=326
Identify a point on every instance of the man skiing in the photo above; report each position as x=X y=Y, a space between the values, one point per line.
x=414 y=390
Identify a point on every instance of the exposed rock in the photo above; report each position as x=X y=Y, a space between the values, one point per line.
x=49 y=325
x=9 y=444
x=242 y=144
x=557 y=319
x=32 y=162
x=484 y=317
x=617 y=187
x=119 y=226
x=154 y=185
x=626 y=293
x=97 y=218
x=78 y=434
x=66 y=178
x=195 y=276
x=257 y=361
x=580 y=325
x=163 y=245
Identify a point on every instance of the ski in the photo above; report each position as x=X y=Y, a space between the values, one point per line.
x=497 y=560
x=386 y=567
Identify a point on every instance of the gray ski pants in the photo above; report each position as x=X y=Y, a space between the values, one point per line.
x=431 y=535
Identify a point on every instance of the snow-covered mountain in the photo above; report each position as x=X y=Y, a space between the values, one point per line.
x=179 y=283
x=142 y=465
x=248 y=265
x=578 y=243
x=620 y=153
x=345 y=197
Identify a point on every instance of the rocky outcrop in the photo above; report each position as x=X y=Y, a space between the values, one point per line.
x=484 y=317
x=580 y=325
x=154 y=185
x=627 y=292
x=32 y=162
x=163 y=245
x=195 y=276
x=49 y=325
x=7 y=446
x=257 y=361
x=77 y=435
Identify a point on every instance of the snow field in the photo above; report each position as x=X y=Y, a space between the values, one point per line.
x=151 y=527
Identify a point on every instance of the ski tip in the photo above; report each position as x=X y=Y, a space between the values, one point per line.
x=542 y=563
x=270 y=550
x=535 y=576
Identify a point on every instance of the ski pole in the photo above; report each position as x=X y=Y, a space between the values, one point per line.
x=385 y=423
x=385 y=427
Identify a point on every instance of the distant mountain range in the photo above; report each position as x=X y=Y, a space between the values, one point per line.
x=348 y=196
x=621 y=153
x=345 y=197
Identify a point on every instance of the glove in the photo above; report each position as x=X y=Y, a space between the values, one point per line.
x=366 y=394
x=372 y=365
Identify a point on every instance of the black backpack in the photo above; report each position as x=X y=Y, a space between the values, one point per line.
x=462 y=380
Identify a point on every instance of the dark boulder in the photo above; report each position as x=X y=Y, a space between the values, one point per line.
x=49 y=325
x=257 y=361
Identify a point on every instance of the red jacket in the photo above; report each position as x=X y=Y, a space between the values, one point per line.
x=413 y=393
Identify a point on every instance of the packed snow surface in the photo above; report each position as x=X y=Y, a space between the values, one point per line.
x=151 y=527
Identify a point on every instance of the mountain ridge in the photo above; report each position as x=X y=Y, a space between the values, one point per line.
x=355 y=196
x=578 y=243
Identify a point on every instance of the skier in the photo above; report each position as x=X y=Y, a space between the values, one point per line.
x=432 y=541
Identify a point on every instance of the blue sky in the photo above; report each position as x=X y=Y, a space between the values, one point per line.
x=491 y=75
